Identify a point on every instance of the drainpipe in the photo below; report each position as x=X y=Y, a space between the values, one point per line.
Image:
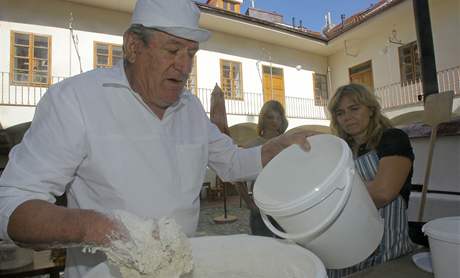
x=425 y=47
x=329 y=79
x=70 y=44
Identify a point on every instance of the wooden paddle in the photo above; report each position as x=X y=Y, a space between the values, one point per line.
x=438 y=109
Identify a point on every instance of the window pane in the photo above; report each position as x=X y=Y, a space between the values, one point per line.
x=267 y=69
x=277 y=71
x=117 y=51
x=41 y=53
x=102 y=49
x=226 y=70
x=231 y=79
x=22 y=51
x=40 y=41
x=41 y=65
x=40 y=77
x=104 y=60
x=320 y=85
x=22 y=39
x=21 y=76
x=236 y=72
x=33 y=68
x=409 y=63
x=21 y=63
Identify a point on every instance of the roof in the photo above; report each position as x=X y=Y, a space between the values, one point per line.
x=283 y=34
x=360 y=17
x=282 y=27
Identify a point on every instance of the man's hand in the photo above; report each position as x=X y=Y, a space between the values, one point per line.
x=277 y=144
x=100 y=229
x=41 y=225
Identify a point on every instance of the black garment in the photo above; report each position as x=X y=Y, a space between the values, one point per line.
x=395 y=142
x=258 y=227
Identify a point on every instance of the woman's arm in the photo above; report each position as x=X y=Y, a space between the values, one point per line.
x=391 y=175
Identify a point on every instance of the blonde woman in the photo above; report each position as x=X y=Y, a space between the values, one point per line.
x=272 y=123
x=384 y=158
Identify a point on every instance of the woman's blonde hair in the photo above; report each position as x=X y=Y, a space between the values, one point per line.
x=272 y=105
x=360 y=94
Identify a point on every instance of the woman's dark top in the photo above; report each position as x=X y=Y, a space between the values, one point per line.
x=394 y=142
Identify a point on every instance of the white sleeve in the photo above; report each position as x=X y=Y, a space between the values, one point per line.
x=230 y=162
x=45 y=161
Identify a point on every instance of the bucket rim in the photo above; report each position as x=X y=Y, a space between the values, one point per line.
x=431 y=229
x=314 y=198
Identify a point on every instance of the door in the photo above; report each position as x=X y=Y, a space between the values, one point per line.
x=362 y=74
x=273 y=84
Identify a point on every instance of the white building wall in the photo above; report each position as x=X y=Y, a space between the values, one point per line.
x=374 y=46
x=51 y=17
x=364 y=45
x=252 y=55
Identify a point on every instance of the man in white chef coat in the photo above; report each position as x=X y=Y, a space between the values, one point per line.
x=129 y=137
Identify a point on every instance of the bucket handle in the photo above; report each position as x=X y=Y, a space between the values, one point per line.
x=326 y=223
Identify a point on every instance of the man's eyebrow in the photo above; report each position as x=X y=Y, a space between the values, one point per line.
x=179 y=44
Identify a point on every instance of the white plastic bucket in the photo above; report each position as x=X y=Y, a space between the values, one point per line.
x=320 y=201
x=444 y=238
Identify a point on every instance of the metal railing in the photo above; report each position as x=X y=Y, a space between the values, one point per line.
x=391 y=96
x=401 y=94
x=250 y=104
x=12 y=94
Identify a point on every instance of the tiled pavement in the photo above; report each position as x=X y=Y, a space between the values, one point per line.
x=211 y=209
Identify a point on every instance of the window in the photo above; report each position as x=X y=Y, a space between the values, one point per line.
x=106 y=55
x=409 y=63
x=30 y=59
x=192 y=79
x=231 y=79
x=320 y=89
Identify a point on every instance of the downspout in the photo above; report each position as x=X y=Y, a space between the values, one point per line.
x=426 y=48
x=329 y=80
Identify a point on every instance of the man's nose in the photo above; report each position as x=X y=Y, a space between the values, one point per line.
x=183 y=63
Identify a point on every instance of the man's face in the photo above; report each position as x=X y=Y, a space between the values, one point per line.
x=161 y=69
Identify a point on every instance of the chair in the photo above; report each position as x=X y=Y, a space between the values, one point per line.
x=9 y=137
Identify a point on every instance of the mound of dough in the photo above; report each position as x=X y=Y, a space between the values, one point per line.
x=154 y=249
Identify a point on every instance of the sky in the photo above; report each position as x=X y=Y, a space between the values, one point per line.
x=311 y=12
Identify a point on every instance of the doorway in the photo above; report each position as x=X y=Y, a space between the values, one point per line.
x=362 y=74
x=273 y=84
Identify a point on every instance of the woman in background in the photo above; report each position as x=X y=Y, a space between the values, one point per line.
x=272 y=123
x=384 y=158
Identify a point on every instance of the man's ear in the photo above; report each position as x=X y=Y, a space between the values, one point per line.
x=130 y=46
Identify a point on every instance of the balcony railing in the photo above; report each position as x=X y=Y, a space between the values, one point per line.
x=21 y=95
x=250 y=104
x=397 y=94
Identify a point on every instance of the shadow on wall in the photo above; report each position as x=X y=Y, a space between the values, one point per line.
x=10 y=137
